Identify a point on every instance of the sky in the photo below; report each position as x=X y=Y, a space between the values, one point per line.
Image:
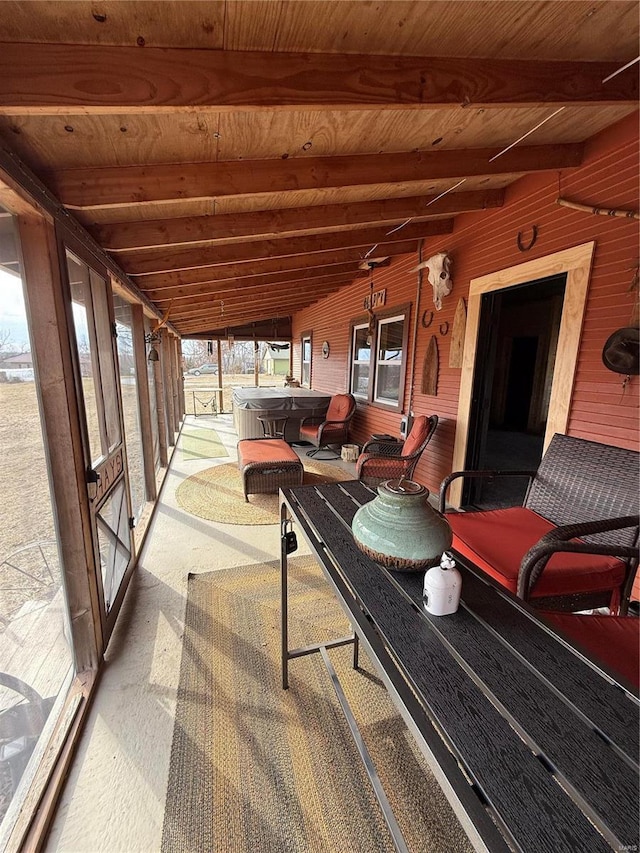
x=13 y=315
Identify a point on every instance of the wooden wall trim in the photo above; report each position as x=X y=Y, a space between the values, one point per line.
x=13 y=199
x=576 y=263
x=38 y=812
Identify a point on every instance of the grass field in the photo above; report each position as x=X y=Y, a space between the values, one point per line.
x=25 y=510
x=26 y=516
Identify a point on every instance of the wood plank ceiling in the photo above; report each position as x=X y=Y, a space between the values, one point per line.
x=240 y=160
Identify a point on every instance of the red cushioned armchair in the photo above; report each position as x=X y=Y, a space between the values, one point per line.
x=383 y=460
x=330 y=429
x=573 y=545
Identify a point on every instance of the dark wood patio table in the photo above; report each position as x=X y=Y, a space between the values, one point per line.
x=534 y=746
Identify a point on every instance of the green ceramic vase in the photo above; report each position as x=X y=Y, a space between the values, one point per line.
x=400 y=529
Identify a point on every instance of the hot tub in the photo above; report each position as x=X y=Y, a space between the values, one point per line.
x=295 y=403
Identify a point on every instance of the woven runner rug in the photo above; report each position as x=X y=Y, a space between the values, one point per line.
x=201 y=443
x=256 y=768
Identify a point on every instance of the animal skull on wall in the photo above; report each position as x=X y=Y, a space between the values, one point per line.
x=439 y=267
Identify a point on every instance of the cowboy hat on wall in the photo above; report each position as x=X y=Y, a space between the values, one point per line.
x=621 y=352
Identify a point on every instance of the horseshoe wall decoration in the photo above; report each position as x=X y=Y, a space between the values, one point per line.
x=534 y=237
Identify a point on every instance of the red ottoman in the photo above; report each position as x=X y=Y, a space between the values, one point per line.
x=266 y=465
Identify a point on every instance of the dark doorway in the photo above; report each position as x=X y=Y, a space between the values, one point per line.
x=522 y=369
x=517 y=341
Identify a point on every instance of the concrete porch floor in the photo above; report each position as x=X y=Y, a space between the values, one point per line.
x=115 y=793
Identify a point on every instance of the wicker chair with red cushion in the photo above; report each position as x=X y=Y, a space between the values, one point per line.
x=384 y=460
x=573 y=545
x=333 y=428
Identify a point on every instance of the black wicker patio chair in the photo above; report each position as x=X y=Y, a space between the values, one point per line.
x=573 y=544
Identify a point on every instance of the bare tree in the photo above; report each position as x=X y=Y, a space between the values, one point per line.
x=5 y=339
x=195 y=353
x=237 y=356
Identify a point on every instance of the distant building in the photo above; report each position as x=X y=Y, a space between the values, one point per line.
x=277 y=359
x=16 y=361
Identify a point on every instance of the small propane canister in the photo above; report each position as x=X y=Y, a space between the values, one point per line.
x=442 y=586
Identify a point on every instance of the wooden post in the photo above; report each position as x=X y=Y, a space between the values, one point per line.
x=144 y=400
x=163 y=429
x=256 y=366
x=173 y=377
x=182 y=410
x=63 y=433
x=177 y=380
x=219 y=348
x=167 y=388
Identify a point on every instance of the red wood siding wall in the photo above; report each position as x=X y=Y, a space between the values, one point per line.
x=483 y=243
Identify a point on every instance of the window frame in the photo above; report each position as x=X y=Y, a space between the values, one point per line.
x=355 y=326
x=398 y=312
x=306 y=336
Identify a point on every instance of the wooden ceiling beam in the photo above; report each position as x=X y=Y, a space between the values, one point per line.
x=122 y=186
x=250 y=300
x=264 y=326
x=246 y=314
x=52 y=79
x=230 y=301
x=250 y=303
x=313 y=277
x=287 y=222
x=225 y=272
x=245 y=309
x=271 y=328
x=198 y=294
x=168 y=260
x=221 y=309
